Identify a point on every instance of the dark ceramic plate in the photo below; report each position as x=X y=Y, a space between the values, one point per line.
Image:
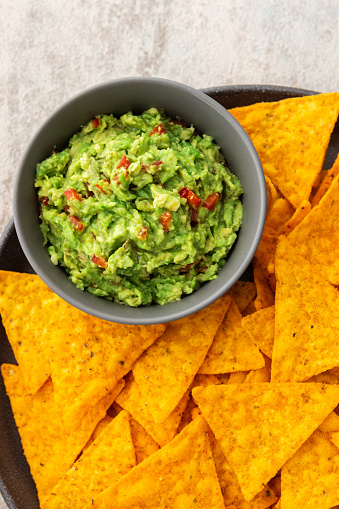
x=16 y=484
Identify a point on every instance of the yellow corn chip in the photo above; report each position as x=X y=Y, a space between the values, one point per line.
x=229 y=485
x=272 y=195
x=291 y=137
x=310 y=479
x=181 y=475
x=275 y=485
x=144 y=444
x=224 y=377
x=249 y=309
x=265 y=252
x=107 y=459
x=243 y=292
x=301 y=212
x=260 y=375
x=326 y=183
x=281 y=212
x=260 y=326
x=306 y=318
x=166 y=370
x=49 y=445
x=260 y=426
x=265 y=295
x=29 y=311
x=238 y=377
x=132 y=400
x=232 y=348
x=324 y=378
x=91 y=358
x=317 y=236
x=334 y=437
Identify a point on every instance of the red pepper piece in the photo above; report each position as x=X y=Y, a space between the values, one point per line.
x=165 y=220
x=142 y=233
x=123 y=163
x=158 y=129
x=100 y=188
x=145 y=167
x=191 y=197
x=44 y=200
x=100 y=261
x=194 y=217
x=72 y=194
x=76 y=223
x=211 y=201
x=96 y=123
x=116 y=178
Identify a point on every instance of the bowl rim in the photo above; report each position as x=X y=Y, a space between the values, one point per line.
x=141 y=315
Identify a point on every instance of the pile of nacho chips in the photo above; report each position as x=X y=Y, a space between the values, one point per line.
x=236 y=406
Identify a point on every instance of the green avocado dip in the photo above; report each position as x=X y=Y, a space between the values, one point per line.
x=139 y=210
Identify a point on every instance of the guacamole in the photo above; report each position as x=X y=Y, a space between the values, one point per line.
x=139 y=210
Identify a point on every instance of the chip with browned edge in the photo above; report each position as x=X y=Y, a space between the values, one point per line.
x=306 y=318
x=166 y=370
x=181 y=475
x=49 y=445
x=310 y=479
x=260 y=326
x=260 y=426
x=291 y=137
x=107 y=459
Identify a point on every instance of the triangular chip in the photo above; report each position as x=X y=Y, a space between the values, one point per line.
x=90 y=356
x=260 y=326
x=326 y=183
x=310 y=479
x=281 y=212
x=29 y=311
x=306 y=318
x=232 y=348
x=108 y=459
x=260 y=375
x=334 y=437
x=49 y=445
x=300 y=213
x=243 y=292
x=166 y=370
x=132 y=400
x=291 y=137
x=317 y=236
x=265 y=295
x=180 y=475
x=229 y=485
x=260 y=426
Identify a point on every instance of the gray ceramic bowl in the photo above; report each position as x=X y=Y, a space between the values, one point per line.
x=138 y=94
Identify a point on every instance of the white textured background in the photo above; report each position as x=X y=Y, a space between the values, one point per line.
x=52 y=49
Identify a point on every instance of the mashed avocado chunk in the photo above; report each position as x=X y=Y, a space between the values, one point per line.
x=140 y=209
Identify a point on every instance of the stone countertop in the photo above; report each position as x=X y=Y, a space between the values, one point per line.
x=52 y=49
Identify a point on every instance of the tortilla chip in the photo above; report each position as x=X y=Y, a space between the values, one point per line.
x=91 y=357
x=260 y=426
x=49 y=445
x=132 y=400
x=281 y=212
x=317 y=236
x=166 y=370
x=265 y=295
x=291 y=137
x=260 y=375
x=243 y=292
x=249 y=309
x=275 y=485
x=306 y=318
x=272 y=194
x=29 y=311
x=324 y=378
x=326 y=183
x=301 y=212
x=232 y=348
x=182 y=474
x=265 y=252
x=224 y=377
x=260 y=326
x=229 y=485
x=237 y=378
x=144 y=444
x=108 y=459
x=334 y=437
x=311 y=477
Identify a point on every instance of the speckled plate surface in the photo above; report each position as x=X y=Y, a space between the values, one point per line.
x=16 y=484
